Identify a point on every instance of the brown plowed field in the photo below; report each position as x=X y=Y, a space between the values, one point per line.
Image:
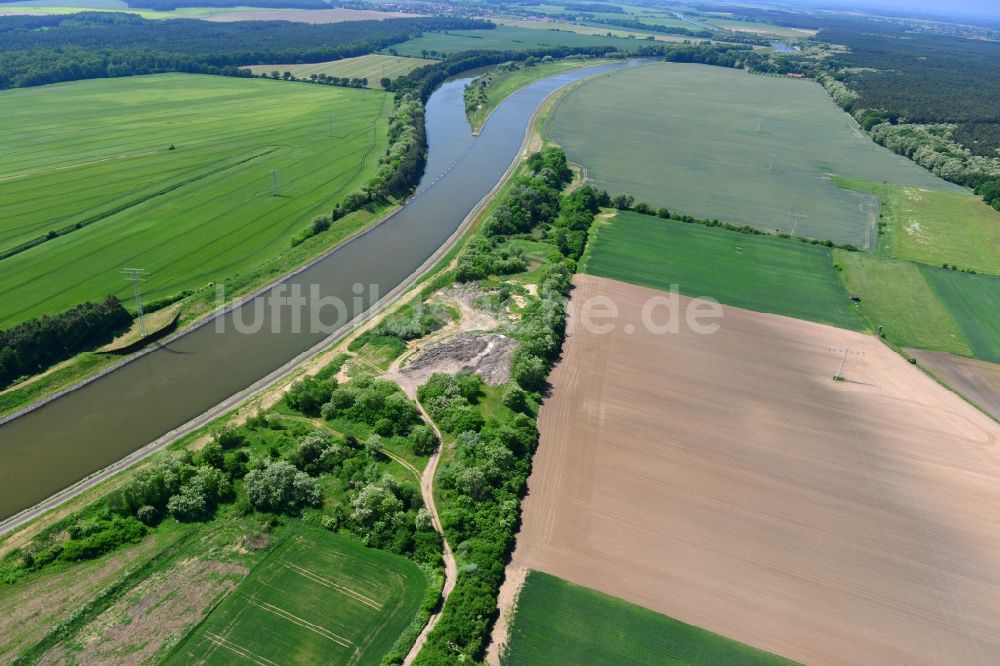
x=979 y=381
x=727 y=481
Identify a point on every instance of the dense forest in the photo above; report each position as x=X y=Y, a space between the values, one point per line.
x=925 y=78
x=36 y=50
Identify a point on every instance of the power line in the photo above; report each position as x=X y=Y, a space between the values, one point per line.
x=796 y=219
x=135 y=276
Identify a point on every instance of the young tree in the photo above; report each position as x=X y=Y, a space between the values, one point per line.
x=279 y=487
x=422 y=440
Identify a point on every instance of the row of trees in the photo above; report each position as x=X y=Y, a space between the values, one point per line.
x=399 y=171
x=39 y=343
x=990 y=192
x=325 y=79
x=483 y=484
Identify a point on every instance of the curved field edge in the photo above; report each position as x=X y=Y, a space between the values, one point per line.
x=554 y=621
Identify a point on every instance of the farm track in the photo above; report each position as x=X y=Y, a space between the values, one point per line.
x=450 y=566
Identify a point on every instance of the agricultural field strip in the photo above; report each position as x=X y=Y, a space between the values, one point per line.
x=203 y=139
x=742 y=148
x=373 y=67
x=124 y=206
x=551 y=624
x=294 y=619
x=825 y=521
x=757 y=272
x=268 y=591
x=310 y=186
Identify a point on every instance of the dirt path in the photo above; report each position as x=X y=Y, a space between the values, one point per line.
x=450 y=567
x=506 y=603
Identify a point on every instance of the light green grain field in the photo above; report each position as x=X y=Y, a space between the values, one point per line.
x=505 y=38
x=720 y=143
x=319 y=598
x=372 y=67
x=559 y=622
x=97 y=153
x=762 y=273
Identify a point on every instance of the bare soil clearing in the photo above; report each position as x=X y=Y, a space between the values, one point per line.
x=978 y=381
x=488 y=354
x=727 y=481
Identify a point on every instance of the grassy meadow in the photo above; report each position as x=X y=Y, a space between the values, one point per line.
x=372 y=67
x=98 y=154
x=974 y=303
x=559 y=622
x=926 y=307
x=318 y=598
x=503 y=38
x=719 y=143
x=896 y=295
x=935 y=227
x=763 y=273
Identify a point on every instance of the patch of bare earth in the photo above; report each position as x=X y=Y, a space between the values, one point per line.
x=31 y=608
x=152 y=617
x=726 y=480
x=978 y=381
x=488 y=354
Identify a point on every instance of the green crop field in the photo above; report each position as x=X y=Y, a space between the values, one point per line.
x=720 y=143
x=974 y=302
x=763 y=273
x=559 y=622
x=935 y=227
x=372 y=67
x=896 y=296
x=319 y=598
x=100 y=151
x=503 y=38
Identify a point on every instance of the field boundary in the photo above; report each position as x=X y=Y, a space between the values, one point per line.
x=120 y=208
